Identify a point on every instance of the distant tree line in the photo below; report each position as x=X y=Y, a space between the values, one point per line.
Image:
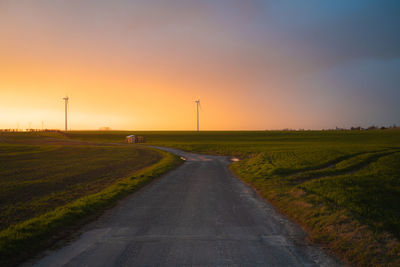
x=353 y=128
x=373 y=127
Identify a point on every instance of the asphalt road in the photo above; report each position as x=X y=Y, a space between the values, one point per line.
x=196 y=215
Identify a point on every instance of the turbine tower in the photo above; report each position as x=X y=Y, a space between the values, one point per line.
x=198 y=106
x=66 y=112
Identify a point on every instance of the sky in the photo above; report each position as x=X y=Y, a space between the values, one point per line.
x=255 y=65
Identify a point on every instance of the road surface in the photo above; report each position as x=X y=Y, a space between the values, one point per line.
x=197 y=215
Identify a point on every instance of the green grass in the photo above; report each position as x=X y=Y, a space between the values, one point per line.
x=342 y=186
x=372 y=194
x=46 y=187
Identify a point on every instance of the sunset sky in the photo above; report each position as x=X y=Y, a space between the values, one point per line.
x=255 y=65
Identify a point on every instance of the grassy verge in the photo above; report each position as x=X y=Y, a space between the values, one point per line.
x=56 y=214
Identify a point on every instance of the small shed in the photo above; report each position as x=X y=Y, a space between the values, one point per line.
x=135 y=139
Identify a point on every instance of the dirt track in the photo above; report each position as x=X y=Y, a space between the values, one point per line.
x=198 y=214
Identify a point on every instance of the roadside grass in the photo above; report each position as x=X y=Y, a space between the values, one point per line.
x=46 y=189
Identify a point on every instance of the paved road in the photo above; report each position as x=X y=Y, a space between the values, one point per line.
x=197 y=215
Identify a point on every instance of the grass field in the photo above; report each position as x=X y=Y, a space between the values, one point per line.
x=49 y=182
x=342 y=186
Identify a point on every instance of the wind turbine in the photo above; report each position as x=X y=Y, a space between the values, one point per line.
x=66 y=112
x=198 y=106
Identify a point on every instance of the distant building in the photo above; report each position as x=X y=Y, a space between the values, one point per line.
x=131 y=139
x=358 y=128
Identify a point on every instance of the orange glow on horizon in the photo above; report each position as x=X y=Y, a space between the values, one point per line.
x=120 y=97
